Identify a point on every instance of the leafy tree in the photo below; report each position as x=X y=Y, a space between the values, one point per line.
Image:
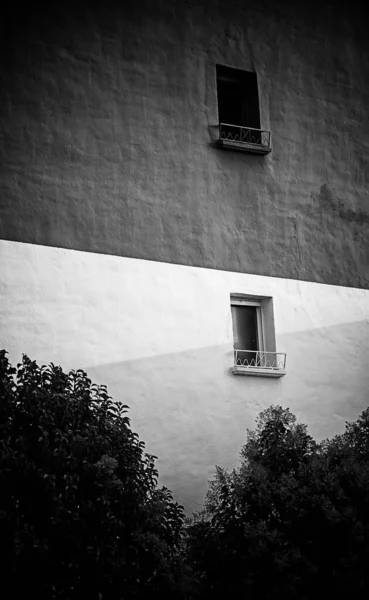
x=291 y=520
x=81 y=515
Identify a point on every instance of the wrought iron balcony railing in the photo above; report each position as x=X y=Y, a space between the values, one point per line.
x=273 y=363
x=244 y=138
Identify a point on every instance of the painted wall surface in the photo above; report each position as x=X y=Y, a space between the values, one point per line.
x=108 y=126
x=160 y=336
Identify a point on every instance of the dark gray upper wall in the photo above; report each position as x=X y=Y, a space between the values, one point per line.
x=108 y=121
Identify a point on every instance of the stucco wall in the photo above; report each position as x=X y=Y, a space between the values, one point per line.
x=107 y=126
x=160 y=336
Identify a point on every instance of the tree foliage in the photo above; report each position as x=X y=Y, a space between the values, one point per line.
x=81 y=514
x=292 y=520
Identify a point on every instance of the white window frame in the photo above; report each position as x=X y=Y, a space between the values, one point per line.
x=259 y=318
x=259 y=303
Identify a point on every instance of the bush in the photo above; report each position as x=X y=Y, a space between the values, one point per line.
x=81 y=515
x=291 y=521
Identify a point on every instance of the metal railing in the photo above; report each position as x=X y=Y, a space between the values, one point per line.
x=260 y=359
x=244 y=135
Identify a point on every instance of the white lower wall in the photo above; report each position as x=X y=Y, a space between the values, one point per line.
x=160 y=336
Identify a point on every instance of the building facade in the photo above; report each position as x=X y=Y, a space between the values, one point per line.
x=184 y=214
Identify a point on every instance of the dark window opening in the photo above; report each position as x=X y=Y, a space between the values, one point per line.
x=238 y=98
x=246 y=332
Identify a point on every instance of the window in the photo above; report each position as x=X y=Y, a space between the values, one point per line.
x=247 y=329
x=238 y=99
x=254 y=337
x=238 y=108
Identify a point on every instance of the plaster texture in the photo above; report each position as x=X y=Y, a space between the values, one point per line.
x=160 y=336
x=108 y=126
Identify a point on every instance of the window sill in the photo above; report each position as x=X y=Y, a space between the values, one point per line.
x=245 y=147
x=258 y=371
